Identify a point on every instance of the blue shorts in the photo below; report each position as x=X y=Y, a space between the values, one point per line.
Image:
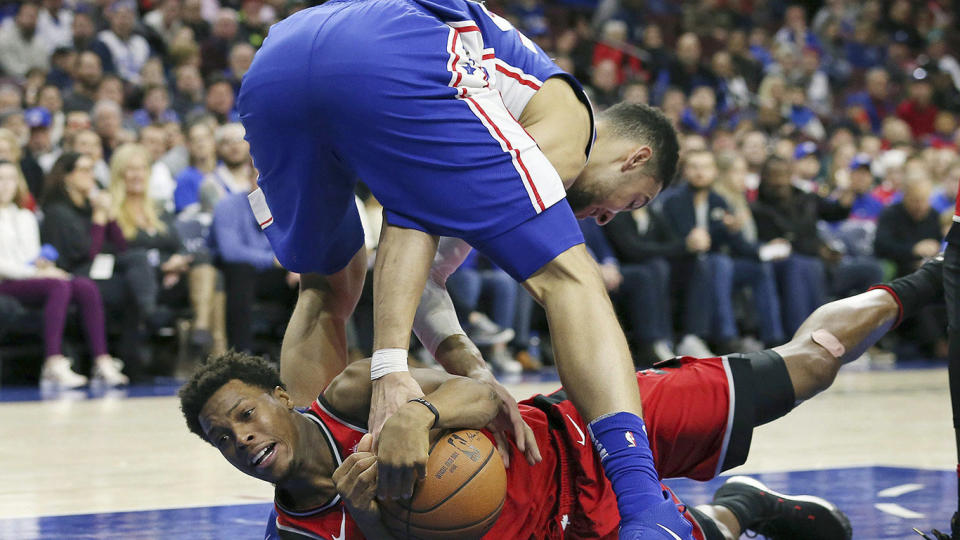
x=418 y=100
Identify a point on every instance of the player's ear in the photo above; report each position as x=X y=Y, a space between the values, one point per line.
x=636 y=158
x=283 y=397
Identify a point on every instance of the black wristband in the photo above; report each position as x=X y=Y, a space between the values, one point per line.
x=427 y=404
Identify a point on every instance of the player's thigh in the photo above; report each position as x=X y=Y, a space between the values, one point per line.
x=572 y=272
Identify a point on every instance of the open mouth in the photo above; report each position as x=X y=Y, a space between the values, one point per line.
x=265 y=455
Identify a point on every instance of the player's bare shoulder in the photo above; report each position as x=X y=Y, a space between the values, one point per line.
x=561 y=123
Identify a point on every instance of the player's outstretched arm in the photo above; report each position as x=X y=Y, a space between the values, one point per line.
x=399 y=277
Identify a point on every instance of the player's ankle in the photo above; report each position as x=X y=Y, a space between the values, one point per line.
x=621 y=441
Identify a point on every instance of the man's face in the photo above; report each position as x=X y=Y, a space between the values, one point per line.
x=27 y=18
x=877 y=84
x=82 y=27
x=122 y=21
x=601 y=194
x=252 y=428
x=88 y=144
x=861 y=180
x=201 y=142
x=700 y=170
x=233 y=149
x=220 y=98
x=916 y=201
x=155 y=139
x=755 y=148
x=89 y=69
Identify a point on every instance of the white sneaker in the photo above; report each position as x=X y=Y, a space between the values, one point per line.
x=108 y=373
x=56 y=373
x=662 y=350
x=504 y=363
x=692 y=345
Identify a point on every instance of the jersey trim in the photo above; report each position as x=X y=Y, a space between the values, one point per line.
x=300 y=532
x=335 y=451
x=732 y=407
x=352 y=423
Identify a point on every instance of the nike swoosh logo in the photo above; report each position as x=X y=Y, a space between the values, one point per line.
x=673 y=534
x=583 y=438
x=343 y=525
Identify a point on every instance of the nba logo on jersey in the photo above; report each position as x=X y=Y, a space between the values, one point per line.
x=631 y=441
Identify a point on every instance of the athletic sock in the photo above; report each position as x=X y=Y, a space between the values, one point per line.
x=916 y=290
x=746 y=507
x=621 y=441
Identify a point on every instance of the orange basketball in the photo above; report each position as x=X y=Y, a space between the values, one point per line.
x=461 y=496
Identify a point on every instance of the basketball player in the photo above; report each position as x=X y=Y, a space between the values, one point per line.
x=700 y=412
x=461 y=127
x=951 y=285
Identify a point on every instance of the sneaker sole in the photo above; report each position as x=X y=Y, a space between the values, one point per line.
x=824 y=505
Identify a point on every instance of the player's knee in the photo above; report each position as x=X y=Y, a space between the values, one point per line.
x=572 y=272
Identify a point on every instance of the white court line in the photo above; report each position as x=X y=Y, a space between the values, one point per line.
x=897 y=491
x=897 y=510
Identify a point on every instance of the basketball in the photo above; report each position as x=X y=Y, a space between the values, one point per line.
x=461 y=495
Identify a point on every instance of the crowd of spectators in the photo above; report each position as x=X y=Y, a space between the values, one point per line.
x=819 y=150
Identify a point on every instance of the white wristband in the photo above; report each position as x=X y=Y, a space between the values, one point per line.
x=386 y=361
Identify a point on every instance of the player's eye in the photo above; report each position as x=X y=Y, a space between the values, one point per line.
x=222 y=439
x=248 y=413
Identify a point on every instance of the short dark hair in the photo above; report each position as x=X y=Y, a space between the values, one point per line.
x=647 y=124
x=216 y=371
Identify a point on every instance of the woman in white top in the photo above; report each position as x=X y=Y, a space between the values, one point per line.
x=25 y=274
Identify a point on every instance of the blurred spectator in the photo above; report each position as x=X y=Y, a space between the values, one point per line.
x=194 y=19
x=61 y=66
x=234 y=174
x=918 y=109
x=785 y=213
x=250 y=270
x=695 y=208
x=489 y=325
x=214 y=49
x=156 y=107
x=701 y=116
x=21 y=46
x=88 y=73
x=795 y=32
x=51 y=99
x=241 y=56
x=254 y=19
x=107 y=119
x=909 y=231
x=79 y=221
x=868 y=108
x=128 y=51
x=645 y=244
x=743 y=60
x=188 y=91
x=754 y=146
x=603 y=84
x=85 y=39
x=162 y=185
x=40 y=148
x=614 y=47
x=806 y=168
x=203 y=161
x=88 y=143
x=28 y=274
x=54 y=24
x=685 y=71
x=182 y=278
x=732 y=89
x=220 y=101
x=165 y=20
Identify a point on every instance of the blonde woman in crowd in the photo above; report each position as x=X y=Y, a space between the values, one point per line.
x=182 y=278
x=30 y=275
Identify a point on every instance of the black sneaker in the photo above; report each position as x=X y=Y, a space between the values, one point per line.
x=788 y=517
